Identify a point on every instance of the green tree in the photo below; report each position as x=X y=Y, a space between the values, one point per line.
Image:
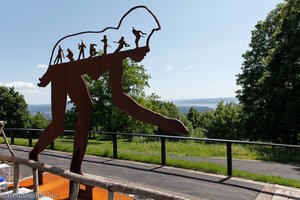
x=38 y=121
x=194 y=117
x=13 y=108
x=225 y=122
x=270 y=78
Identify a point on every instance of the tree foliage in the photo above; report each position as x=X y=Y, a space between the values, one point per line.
x=38 y=121
x=224 y=122
x=13 y=108
x=270 y=78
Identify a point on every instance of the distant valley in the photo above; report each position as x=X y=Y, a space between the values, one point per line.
x=202 y=105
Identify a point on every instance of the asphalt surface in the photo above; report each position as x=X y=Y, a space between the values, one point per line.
x=290 y=170
x=185 y=183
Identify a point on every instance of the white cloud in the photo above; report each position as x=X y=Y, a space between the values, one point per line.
x=42 y=66
x=20 y=85
x=169 y=67
x=189 y=67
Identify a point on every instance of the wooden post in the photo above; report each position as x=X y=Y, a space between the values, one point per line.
x=111 y=195
x=2 y=124
x=35 y=183
x=75 y=190
x=16 y=178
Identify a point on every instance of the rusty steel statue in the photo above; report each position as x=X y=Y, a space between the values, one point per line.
x=66 y=79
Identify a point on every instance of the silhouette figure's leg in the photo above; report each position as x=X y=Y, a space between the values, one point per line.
x=130 y=106
x=81 y=98
x=56 y=127
x=136 y=43
x=56 y=60
x=53 y=130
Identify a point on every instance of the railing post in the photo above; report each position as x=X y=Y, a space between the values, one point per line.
x=30 y=139
x=163 y=150
x=115 y=146
x=12 y=137
x=229 y=158
x=52 y=145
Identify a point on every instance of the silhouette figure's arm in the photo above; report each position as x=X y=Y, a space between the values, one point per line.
x=130 y=106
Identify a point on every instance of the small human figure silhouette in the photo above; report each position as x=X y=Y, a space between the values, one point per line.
x=70 y=55
x=60 y=55
x=121 y=43
x=81 y=48
x=92 y=50
x=105 y=44
x=138 y=34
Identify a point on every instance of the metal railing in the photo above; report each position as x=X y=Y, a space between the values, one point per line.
x=162 y=139
x=110 y=185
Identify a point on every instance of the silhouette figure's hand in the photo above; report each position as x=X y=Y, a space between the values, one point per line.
x=174 y=127
x=42 y=82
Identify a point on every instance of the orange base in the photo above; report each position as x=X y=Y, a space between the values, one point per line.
x=57 y=188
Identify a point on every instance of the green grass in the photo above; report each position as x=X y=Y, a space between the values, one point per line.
x=149 y=152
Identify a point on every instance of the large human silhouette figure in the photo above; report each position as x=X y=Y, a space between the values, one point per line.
x=66 y=79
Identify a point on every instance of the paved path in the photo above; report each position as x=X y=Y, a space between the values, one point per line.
x=290 y=170
x=185 y=183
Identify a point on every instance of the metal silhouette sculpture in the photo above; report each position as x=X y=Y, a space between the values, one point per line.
x=66 y=79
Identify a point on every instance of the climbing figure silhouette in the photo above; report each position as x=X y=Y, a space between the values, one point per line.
x=93 y=51
x=60 y=55
x=121 y=43
x=81 y=48
x=70 y=55
x=138 y=34
x=105 y=44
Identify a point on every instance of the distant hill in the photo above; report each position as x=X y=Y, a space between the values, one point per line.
x=209 y=102
x=202 y=105
x=44 y=109
x=185 y=109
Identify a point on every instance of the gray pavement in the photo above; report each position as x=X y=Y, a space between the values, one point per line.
x=185 y=183
x=285 y=170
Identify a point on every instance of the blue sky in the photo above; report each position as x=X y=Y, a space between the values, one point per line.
x=197 y=54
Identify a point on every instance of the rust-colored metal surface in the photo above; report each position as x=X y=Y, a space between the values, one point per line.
x=66 y=79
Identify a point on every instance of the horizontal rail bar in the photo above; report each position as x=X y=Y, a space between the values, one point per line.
x=104 y=183
x=173 y=137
